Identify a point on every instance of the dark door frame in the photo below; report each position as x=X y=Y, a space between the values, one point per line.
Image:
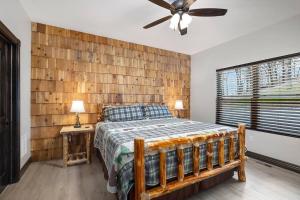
x=14 y=104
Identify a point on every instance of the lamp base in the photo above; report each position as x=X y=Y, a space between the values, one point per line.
x=178 y=114
x=77 y=125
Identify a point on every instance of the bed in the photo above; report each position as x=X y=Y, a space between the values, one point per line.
x=147 y=158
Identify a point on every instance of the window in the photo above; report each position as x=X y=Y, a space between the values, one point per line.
x=265 y=95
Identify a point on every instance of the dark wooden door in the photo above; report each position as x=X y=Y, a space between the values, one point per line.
x=4 y=115
x=9 y=107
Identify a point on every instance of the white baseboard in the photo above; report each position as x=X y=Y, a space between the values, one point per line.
x=24 y=159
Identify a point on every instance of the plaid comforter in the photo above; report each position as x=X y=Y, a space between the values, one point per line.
x=115 y=142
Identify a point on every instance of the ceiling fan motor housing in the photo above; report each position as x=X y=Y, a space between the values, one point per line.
x=180 y=7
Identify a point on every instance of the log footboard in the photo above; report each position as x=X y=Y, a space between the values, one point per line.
x=185 y=180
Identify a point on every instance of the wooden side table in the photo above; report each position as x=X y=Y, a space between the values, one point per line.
x=75 y=158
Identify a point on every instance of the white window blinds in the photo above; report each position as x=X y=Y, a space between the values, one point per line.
x=265 y=95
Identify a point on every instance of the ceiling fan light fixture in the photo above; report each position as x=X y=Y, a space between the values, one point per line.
x=174 y=21
x=183 y=24
x=186 y=19
x=173 y=26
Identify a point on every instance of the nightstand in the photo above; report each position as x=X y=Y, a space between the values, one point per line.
x=80 y=157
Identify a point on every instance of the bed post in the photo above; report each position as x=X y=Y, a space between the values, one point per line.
x=162 y=168
x=231 y=147
x=139 y=168
x=209 y=154
x=241 y=168
x=221 y=151
x=180 y=157
x=196 y=158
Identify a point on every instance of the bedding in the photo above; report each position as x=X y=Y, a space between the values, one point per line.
x=115 y=143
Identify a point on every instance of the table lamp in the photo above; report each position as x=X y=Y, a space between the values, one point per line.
x=178 y=106
x=77 y=107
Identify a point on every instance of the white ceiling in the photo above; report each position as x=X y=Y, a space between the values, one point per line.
x=124 y=19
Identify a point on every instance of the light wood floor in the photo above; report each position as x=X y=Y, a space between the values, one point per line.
x=49 y=181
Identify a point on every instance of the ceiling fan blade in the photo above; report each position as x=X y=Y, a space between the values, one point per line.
x=163 y=4
x=207 y=12
x=158 y=22
x=188 y=3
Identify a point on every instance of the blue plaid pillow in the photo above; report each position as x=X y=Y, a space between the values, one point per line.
x=123 y=113
x=156 y=111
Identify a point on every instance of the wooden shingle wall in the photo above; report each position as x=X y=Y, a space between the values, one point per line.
x=69 y=65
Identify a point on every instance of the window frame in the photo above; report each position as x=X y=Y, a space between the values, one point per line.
x=253 y=116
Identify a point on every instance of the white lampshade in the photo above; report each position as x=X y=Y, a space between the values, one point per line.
x=173 y=26
x=174 y=21
x=77 y=107
x=179 y=105
x=183 y=25
x=187 y=19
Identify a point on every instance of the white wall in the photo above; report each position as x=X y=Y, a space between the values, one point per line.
x=277 y=40
x=15 y=18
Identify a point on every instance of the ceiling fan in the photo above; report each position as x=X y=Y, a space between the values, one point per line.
x=181 y=14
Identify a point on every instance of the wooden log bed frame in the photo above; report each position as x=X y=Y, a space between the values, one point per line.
x=164 y=188
x=141 y=147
